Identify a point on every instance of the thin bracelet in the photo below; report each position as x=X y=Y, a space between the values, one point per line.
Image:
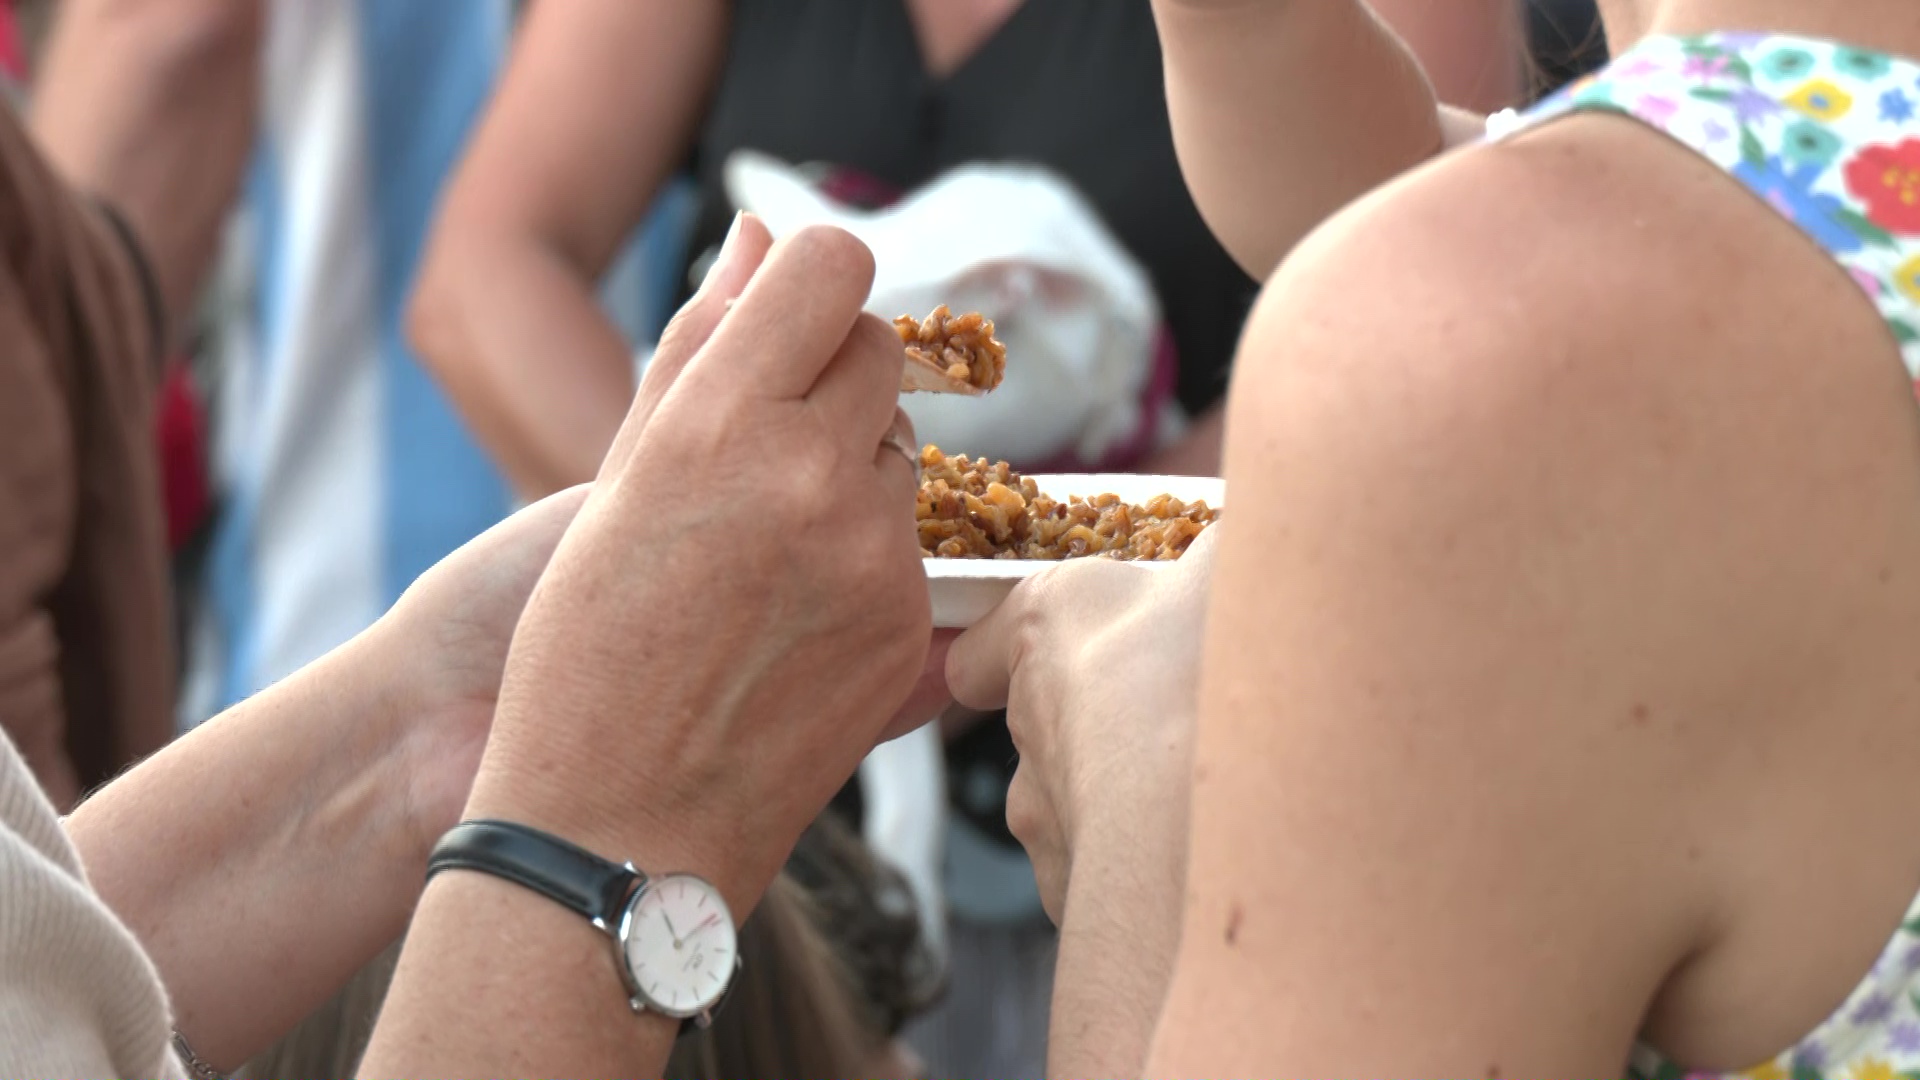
x=200 y=1069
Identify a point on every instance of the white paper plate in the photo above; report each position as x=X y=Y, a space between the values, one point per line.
x=964 y=590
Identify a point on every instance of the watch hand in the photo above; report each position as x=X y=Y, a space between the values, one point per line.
x=668 y=919
x=709 y=921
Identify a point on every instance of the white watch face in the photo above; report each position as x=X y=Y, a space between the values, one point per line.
x=680 y=946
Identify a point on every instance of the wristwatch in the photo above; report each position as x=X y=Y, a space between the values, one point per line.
x=674 y=942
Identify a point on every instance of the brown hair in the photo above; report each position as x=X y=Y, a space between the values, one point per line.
x=827 y=977
x=792 y=1011
x=870 y=915
x=834 y=964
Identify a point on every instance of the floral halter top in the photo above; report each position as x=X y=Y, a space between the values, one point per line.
x=1828 y=136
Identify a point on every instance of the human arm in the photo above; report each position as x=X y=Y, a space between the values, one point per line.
x=1285 y=110
x=264 y=858
x=1511 y=610
x=1096 y=663
x=151 y=107
x=695 y=678
x=1382 y=820
x=1471 y=50
x=597 y=108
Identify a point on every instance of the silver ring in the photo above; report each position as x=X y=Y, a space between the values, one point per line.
x=896 y=442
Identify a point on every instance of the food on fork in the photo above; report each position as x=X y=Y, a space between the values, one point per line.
x=979 y=510
x=948 y=353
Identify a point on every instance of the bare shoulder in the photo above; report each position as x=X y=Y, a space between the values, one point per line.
x=1598 y=288
x=1593 y=224
x=1561 y=466
x=1589 y=364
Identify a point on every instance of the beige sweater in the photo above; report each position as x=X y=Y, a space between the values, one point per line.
x=78 y=998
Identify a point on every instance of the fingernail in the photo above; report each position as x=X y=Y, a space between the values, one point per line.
x=727 y=246
x=724 y=256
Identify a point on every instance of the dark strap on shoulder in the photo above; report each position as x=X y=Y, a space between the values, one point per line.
x=569 y=875
x=156 y=309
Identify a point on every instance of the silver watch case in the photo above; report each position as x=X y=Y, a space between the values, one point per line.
x=637 y=999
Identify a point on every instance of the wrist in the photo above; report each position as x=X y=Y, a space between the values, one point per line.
x=623 y=818
x=539 y=986
x=397 y=745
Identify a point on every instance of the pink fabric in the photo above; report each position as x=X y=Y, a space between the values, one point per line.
x=13 y=55
x=181 y=428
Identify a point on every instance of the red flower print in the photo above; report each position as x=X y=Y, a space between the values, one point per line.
x=1887 y=179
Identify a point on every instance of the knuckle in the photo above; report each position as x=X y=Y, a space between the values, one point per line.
x=831 y=250
x=685 y=331
x=1088 y=590
x=1105 y=575
x=870 y=334
x=1026 y=810
x=1029 y=638
x=1041 y=604
x=1035 y=597
x=903 y=424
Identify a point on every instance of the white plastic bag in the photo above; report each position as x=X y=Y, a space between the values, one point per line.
x=1019 y=244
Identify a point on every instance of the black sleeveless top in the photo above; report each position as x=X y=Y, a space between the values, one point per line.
x=1073 y=85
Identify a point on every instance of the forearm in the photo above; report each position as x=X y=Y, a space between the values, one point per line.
x=1283 y=112
x=1471 y=50
x=151 y=106
x=496 y=980
x=515 y=336
x=595 y=111
x=1118 y=936
x=266 y=857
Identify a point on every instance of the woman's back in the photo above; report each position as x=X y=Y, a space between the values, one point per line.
x=1823 y=134
x=1609 y=484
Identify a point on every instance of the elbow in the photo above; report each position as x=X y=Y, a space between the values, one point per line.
x=1256 y=246
x=1261 y=233
x=433 y=320
x=1258 y=237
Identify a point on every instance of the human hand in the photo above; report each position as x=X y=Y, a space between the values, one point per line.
x=1097 y=663
x=739 y=609
x=442 y=647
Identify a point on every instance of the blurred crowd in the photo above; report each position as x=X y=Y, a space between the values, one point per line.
x=405 y=261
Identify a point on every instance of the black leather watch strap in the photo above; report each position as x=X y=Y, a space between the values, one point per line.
x=569 y=875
